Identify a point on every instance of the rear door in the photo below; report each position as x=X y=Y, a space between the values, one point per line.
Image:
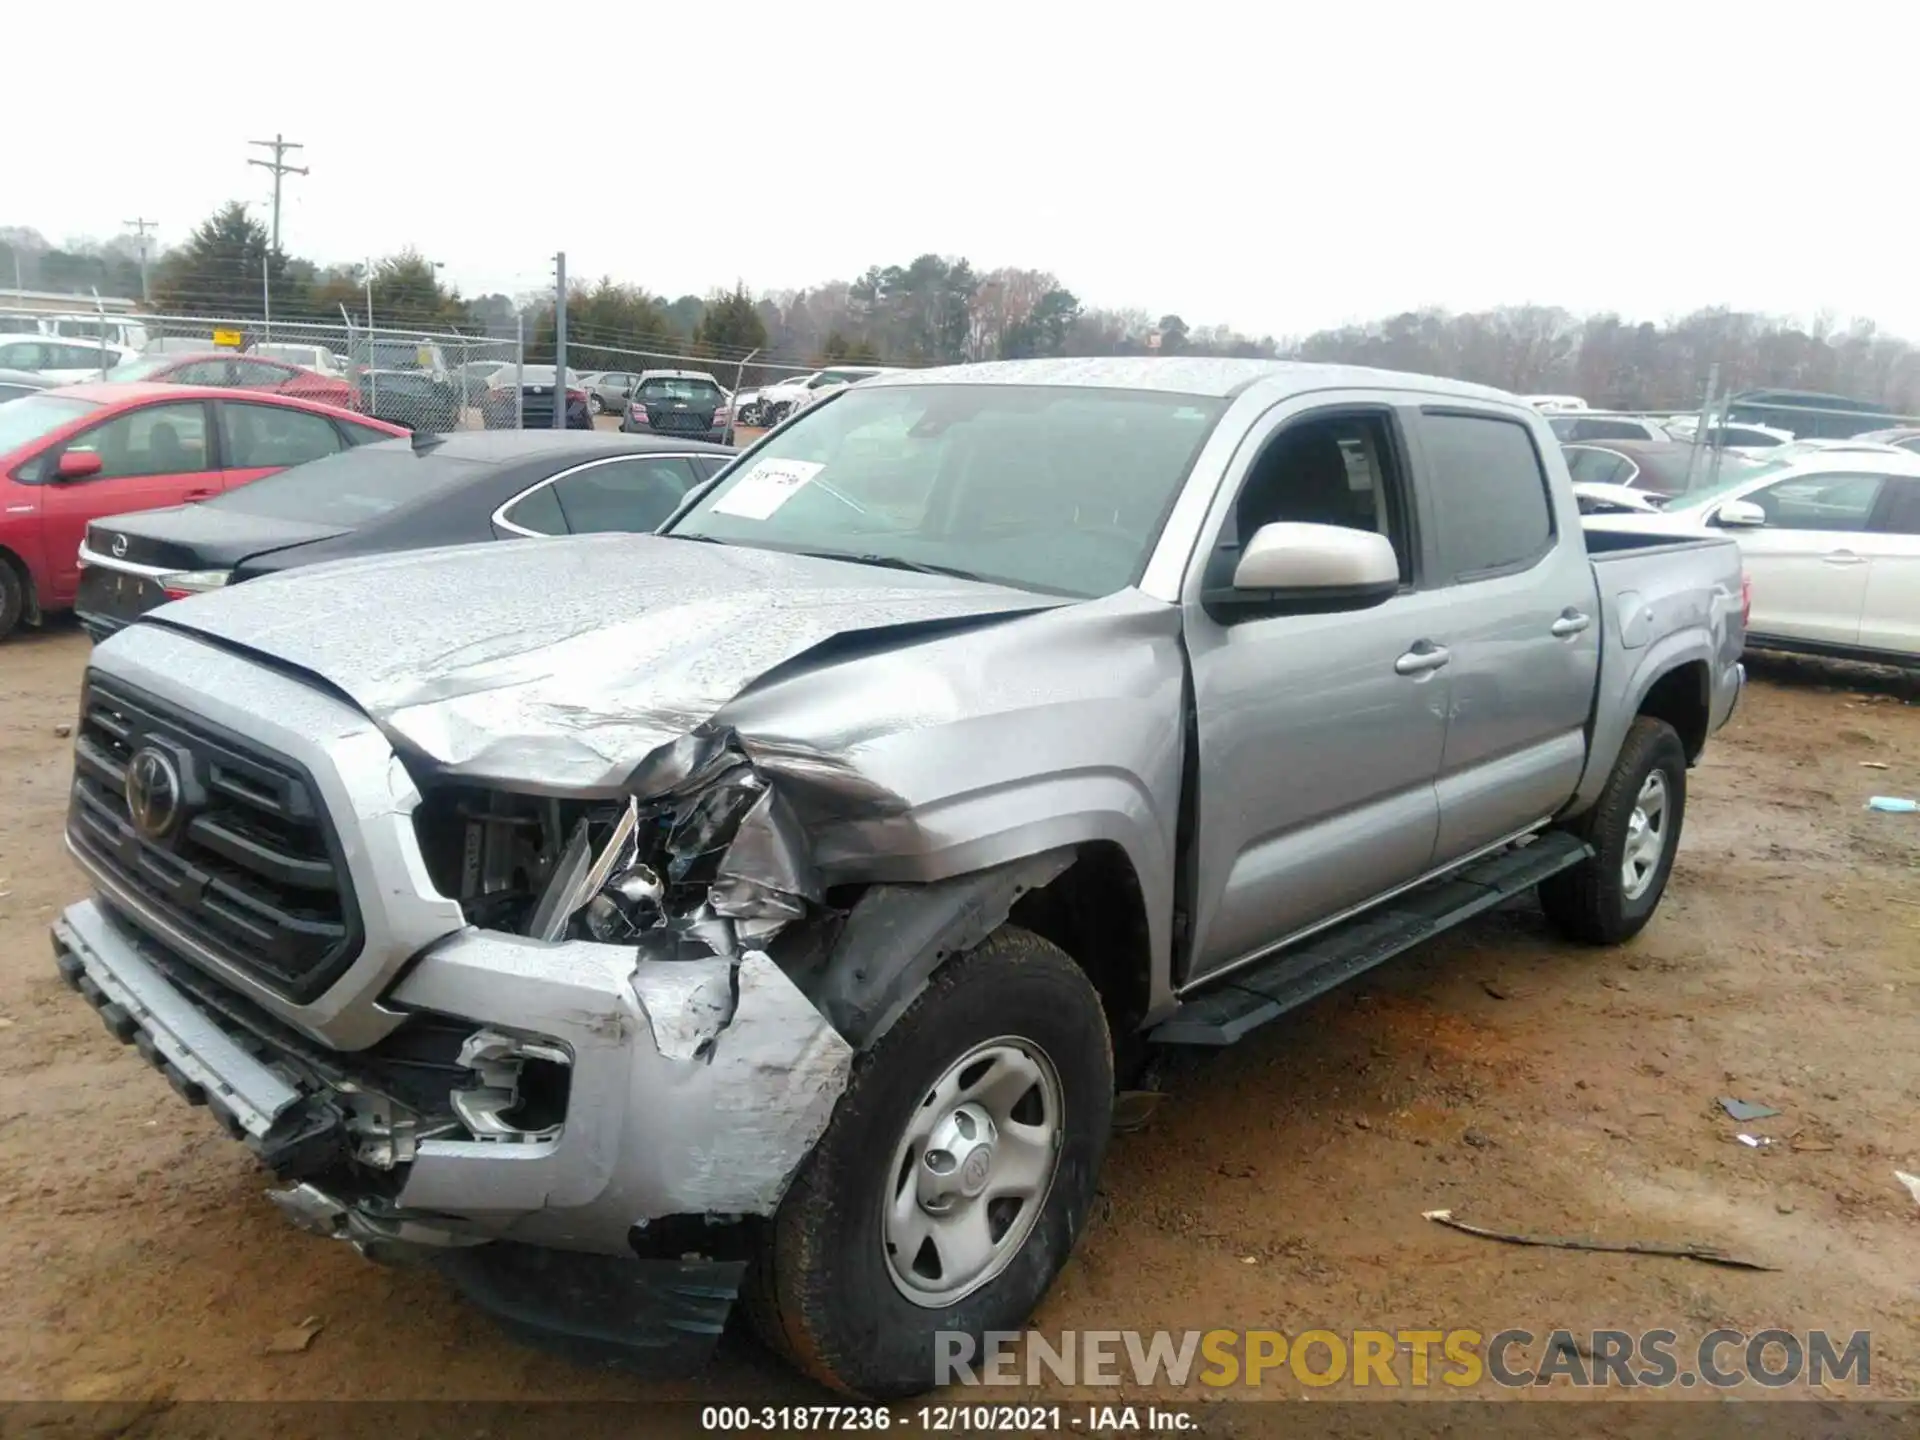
x=1520 y=633
x=158 y=454
x=258 y=439
x=1808 y=563
x=1890 y=618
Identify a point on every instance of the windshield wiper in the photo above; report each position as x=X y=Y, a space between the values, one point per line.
x=894 y=562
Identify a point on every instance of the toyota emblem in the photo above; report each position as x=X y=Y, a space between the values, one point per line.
x=154 y=793
x=119 y=546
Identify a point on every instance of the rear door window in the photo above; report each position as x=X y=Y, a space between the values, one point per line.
x=537 y=511
x=1901 y=515
x=1490 y=495
x=634 y=496
x=272 y=437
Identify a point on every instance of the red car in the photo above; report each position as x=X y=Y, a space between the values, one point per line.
x=232 y=371
x=77 y=453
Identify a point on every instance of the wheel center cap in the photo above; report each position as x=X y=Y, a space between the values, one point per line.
x=974 y=1172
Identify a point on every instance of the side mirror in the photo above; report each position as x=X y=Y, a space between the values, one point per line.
x=1739 y=515
x=77 y=465
x=1320 y=567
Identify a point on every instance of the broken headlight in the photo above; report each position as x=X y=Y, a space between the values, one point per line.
x=724 y=863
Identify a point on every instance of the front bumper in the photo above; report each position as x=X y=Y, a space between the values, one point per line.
x=696 y=1086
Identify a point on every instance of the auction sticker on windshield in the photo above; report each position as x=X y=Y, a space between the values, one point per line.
x=766 y=487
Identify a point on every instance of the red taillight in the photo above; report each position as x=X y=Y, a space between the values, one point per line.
x=1746 y=599
x=579 y=395
x=179 y=594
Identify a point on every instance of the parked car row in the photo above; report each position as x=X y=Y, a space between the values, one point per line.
x=73 y=453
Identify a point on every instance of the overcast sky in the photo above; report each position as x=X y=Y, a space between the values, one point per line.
x=1279 y=168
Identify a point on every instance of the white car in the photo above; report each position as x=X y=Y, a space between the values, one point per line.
x=779 y=401
x=1734 y=435
x=1831 y=540
x=317 y=358
x=61 y=361
x=832 y=381
x=118 y=330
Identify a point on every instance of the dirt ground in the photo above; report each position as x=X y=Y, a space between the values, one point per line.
x=1523 y=1083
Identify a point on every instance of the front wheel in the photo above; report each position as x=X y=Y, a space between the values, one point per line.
x=954 y=1179
x=1634 y=829
x=596 y=405
x=13 y=598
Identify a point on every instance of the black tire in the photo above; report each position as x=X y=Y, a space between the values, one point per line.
x=821 y=1292
x=1589 y=903
x=596 y=405
x=13 y=598
x=776 y=415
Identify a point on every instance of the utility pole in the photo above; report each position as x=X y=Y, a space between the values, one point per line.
x=278 y=165
x=140 y=227
x=560 y=341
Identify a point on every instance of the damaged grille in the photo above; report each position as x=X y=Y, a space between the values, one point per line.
x=224 y=841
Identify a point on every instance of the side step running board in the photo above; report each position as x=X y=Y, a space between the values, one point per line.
x=1223 y=1013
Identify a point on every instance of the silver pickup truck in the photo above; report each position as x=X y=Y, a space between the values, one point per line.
x=769 y=909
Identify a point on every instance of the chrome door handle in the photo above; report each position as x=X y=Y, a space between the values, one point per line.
x=1843 y=557
x=1418 y=661
x=1571 y=622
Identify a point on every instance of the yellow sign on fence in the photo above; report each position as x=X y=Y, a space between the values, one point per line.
x=229 y=339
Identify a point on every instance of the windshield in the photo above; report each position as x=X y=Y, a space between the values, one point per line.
x=1049 y=488
x=31 y=417
x=674 y=389
x=350 y=488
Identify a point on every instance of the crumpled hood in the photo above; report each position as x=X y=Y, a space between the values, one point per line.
x=564 y=664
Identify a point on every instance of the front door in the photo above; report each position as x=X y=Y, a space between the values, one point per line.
x=1807 y=563
x=1319 y=734
x=154 y=456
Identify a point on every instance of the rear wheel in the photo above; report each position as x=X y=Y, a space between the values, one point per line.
x=596 y=405
x=954 y=1179
x=13 y=598
x=1634 y=829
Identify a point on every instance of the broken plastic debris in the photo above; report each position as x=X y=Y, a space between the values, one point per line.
x=1132 y=1109
x=1893 y=804
x=1912 y=1182
x=1746 y=1109
x=296 y=1338
x=1755 y=1142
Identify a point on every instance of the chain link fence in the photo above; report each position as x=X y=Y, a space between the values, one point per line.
x=422 y=379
